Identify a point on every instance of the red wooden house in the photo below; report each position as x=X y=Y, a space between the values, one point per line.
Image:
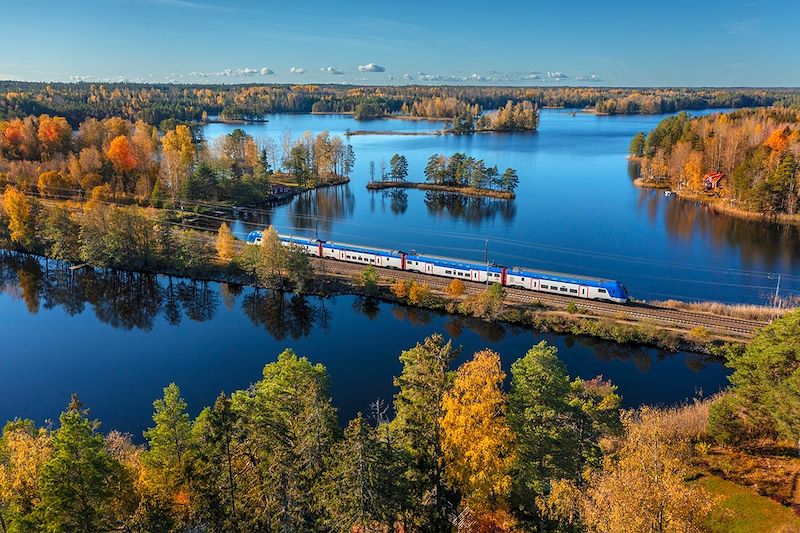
x=713 y=180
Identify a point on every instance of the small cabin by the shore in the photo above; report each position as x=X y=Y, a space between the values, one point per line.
x=279 y=189
x=713 y=180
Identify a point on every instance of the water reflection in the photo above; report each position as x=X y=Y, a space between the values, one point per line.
x=283 y=315
x=124 y=300
x=473 y=210
x=760 y=245
x=322 y=207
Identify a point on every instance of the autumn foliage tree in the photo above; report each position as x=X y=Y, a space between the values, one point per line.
x=122 y=155
x=225 y=243
x=643 y=488
x=20 y=217
x=476 y=440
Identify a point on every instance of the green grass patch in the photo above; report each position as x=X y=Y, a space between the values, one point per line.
x=742 y=510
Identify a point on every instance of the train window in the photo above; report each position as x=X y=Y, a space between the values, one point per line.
x=447 y=272
x=574 y=291
x=563 y=289
x=601 y=290
x=545 y=287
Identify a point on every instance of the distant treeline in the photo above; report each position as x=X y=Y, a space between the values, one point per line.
x=758 y=151
x=153 y=103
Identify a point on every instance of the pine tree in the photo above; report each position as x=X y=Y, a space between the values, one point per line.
x=417 y=423
x=215 y=476
x=170 y=442
x=509 y=180
x=288 y=427
x=357 y=487
x=636 y=148
x=540 y=416
x=399 y=167
x=77 y=480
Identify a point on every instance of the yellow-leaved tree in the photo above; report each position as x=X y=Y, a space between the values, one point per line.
x=20 y=217
x=178 y=156
x=226 y=243
x=644 y=488
x=477 y=441
x=25 y=451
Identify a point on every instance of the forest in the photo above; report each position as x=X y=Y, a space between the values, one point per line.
x=758 y=151
x=153 y=103
x=546 y=452
x=139 y=162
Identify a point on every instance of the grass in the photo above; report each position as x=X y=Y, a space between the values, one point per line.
x=749 y=312
x=742 y=510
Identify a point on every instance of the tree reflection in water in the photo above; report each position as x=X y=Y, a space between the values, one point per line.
x=321 y=206
x=282 y=314
x=762 y=245
x=369 y=307
x=471 y=209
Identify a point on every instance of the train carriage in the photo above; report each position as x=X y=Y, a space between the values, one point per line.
x=532 y=280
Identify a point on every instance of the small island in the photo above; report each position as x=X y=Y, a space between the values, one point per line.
x=465 y=118
x=458 y=173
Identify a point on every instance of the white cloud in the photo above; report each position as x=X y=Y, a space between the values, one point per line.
x=408 y=76
x=297 y=70
x=556 y=76
x=371 y=67
x=80 y=78
x=232 y=73
x=332 y=70
x=590 y=77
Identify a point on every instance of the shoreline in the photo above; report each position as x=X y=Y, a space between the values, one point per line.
x=352 y=133
x=718 y=205
x=466 y=191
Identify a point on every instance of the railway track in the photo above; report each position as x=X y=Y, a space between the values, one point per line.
x=739 y=327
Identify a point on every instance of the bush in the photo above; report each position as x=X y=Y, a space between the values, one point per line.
x=572 y=308
x=419 y=294
x=724 y=423
x=369 y=279
x=456 y=288
x=400 y=288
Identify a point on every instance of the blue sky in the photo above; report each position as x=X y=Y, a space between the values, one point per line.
x=616 y=42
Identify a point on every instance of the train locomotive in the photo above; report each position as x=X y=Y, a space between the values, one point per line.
x=520 y=278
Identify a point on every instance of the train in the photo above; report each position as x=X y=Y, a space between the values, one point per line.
x=586 y=287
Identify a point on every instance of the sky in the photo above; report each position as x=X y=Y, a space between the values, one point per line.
x=558 y=42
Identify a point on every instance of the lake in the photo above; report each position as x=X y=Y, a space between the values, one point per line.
x=576 y=210
x=118 y=338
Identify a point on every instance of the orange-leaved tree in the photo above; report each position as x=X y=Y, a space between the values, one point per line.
x=122 y=155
